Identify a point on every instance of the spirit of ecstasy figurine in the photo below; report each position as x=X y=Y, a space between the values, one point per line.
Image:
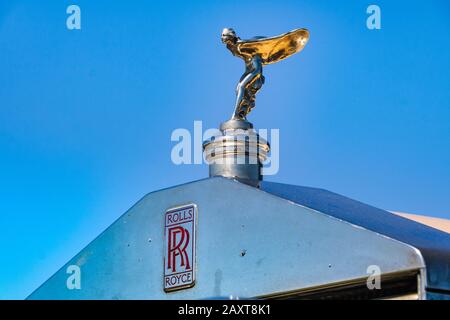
x=240 y=152
x=257 y=52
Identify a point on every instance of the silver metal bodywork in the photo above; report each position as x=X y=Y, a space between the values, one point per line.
x=433 y=244
x=264 y=245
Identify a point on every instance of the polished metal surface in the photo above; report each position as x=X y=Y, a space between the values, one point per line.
x=250 y=243
x=235 y=124
x=239 y=153
x=432 y=243
x=257 y=52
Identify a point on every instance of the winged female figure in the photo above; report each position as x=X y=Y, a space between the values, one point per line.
x=256 y=53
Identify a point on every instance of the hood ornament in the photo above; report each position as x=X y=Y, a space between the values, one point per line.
x=239 y=153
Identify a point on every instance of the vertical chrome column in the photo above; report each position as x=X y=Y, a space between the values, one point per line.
x=238 y=153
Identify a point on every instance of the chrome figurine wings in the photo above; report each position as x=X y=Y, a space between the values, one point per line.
x=274 y=49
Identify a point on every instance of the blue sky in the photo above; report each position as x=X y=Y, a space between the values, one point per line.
x=86 y=115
